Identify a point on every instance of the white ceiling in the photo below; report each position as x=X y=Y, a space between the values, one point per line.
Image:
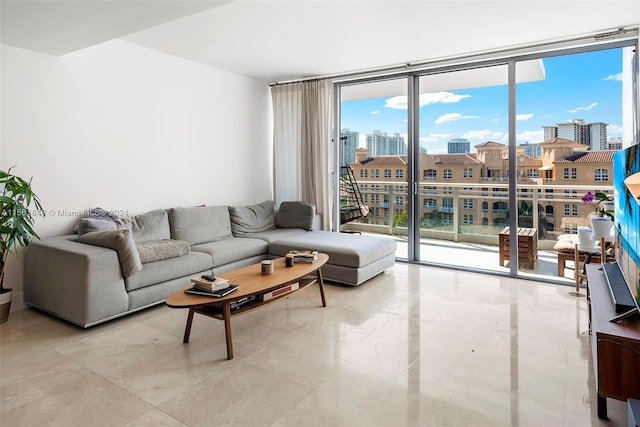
x=281 y=40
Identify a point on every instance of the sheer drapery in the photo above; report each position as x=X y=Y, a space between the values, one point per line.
x=303 y=117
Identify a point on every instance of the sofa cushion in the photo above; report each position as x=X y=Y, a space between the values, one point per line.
x=252 y=219
x=229 y=250
x=157 y=250
x=122 y=242
x=276 y=234
x=200 y=224
x=296 y=215
x=157 y=272
x=150 y=226
x=348 y=250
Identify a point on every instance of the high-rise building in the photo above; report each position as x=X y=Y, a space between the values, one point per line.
x=614 y=144
x=532 y=150
x=381 y=144
x=598 y=136
x=458 y=146
x=592 y=134
x=349 y=142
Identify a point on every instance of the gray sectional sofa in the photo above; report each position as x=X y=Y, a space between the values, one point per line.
x=114 y=266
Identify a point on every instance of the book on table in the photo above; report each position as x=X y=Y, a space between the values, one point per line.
x=304 y=256
x=209 y=285
x=280 y=291
x=216 y=294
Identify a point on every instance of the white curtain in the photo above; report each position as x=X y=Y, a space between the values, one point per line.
x=303 y=152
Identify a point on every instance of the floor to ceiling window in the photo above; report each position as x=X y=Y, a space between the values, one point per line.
x=568 y=114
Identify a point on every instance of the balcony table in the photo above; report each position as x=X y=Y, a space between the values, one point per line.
x=527 y=247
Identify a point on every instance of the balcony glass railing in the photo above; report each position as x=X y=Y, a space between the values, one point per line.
x=475 y=214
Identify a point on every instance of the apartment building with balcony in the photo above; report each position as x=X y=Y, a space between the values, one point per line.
x=468 y=192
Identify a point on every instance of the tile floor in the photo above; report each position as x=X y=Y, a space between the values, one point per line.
x=414 y=346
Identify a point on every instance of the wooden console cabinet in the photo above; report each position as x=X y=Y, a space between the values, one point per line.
x=615 y=346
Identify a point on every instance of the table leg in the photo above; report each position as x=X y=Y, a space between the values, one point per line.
x=226 y=313
x=602 y=407
x=321 y=286
x=187 y=329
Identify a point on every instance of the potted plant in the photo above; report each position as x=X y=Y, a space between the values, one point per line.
x=16 y=225
x=602 y=220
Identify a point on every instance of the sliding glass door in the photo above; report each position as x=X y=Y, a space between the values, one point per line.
x=448 y=160
x=462 y=167
x=373 y=160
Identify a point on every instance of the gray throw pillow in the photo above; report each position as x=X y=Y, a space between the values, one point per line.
x=151 y=226
x=252 y=219
x=296 y=215
x=122 y=242
x=88 y=225
x=201 y=224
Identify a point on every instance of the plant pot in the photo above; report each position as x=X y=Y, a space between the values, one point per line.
x=5 y=305
x=601 y=226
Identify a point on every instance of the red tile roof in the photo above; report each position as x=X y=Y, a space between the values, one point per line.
x=384 y=161
x=491 y=144
x=561 y=141
x=589 y=157
x=456 y=159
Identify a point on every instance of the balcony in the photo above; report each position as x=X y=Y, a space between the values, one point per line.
x=468 y=237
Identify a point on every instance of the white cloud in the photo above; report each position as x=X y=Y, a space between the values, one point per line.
x=615 y=77
x=530 y=136
x=450 y=117
x=522 y=117
x=614 y=129
x=375 y=112
x=587 y=108
x=483 y=135
x=400 y=102
x=436 y=137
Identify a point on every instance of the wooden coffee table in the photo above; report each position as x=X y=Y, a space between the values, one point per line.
x=251 y=282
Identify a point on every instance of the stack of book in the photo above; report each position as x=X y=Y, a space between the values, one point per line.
x=205 y=285
x=304 y=256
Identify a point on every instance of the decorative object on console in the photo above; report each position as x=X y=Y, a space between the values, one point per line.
x=303 y=256
x=267 y=267
x=16 y=226
x=602 y=203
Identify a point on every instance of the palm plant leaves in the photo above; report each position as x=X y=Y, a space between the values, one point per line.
x=19 y=206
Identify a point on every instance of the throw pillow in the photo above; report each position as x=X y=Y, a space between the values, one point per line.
x=88 y=225
x=252 y=219
x=162 y=249
x=98 y=219
x=122 y=242
x=296 y=215
x=151 y=226
x=200 y=224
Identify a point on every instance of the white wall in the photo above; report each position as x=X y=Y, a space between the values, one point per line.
x=130 y=129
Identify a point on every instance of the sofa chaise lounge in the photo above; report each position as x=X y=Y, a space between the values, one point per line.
x=114 y=266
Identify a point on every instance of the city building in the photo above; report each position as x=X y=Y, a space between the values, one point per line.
x=532 y=150
x=381 y=144
x=349 y=141
x=458 y=146
x=592 y=134
x=470 y=190
x=614 y=144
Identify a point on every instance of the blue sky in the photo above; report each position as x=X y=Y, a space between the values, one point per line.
x=583 y=86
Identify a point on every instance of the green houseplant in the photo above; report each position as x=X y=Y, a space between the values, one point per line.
x=18 y=208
